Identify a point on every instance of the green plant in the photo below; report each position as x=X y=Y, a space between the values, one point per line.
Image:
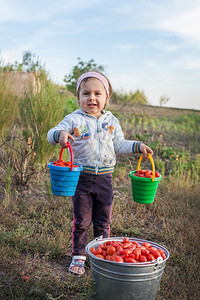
x=78 y=70
x=8 y=104
x=70 y=105
x=38 y=114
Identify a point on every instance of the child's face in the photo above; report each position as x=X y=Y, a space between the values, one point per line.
x=92 y=97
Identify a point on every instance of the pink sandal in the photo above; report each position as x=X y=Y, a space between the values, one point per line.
x=78 y=261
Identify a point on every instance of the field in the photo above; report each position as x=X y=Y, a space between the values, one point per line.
x=35 y=226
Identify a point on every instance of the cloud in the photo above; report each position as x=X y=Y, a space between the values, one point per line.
x=127 y=46
x=176 y=16
x=22 y=11
x=150 y=63
x=161 y=44
x=186 y=25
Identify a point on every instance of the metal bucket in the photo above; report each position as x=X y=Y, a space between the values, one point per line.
x=126 y=281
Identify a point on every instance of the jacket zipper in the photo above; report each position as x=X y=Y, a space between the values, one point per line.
x=98 y=160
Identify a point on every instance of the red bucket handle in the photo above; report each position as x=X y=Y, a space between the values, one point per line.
x=71 y=154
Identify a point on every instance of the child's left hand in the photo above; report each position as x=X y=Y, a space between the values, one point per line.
x=145 y=149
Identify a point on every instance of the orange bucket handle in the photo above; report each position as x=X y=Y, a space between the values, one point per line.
x=71 y=154
x=152 y=163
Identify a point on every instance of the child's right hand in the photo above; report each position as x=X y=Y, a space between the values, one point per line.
x=63 y=138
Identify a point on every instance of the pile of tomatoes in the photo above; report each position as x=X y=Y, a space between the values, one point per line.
x=127 y=251
x=62 y=163
x=146 y=173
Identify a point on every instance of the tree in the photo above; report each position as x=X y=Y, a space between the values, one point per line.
x=78 y=70
x=30 y=63
x=138 y=97
x=163 y=100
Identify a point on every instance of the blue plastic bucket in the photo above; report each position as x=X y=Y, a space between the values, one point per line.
x=64 y=180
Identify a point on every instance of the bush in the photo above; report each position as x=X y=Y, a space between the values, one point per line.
x=39 y=113
x=8 y=103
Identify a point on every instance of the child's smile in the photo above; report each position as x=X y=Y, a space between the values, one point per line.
x=92 y=97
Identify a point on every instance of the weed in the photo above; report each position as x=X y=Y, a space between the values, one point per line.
x=36 y=226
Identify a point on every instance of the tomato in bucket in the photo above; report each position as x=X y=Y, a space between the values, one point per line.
x=117 y=279
x=144 y=183
x=64 y=175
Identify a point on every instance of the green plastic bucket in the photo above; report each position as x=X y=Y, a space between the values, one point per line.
x=144 y=189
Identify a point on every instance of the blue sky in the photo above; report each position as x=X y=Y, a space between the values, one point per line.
x=151 y=45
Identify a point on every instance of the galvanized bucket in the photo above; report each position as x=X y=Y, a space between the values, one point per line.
x=126 y=281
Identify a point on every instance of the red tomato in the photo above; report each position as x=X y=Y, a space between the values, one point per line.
x=137 y=172
x=108 y=242
x=124 y=251
x=92 y=250
x=118 y=259
x=111 y=250
x=113 y=257
x=144 y=251
x=135 y=243
x=130 y=260
x=157 y=174
x=150 y=257
x=104 y=253
x=119 y=248
x=155 y=253
x=124 y=256
x=99 y=256
x=131 y=248
x=148 y=172
x=108 y=257
x=146 y=245
x=137 y=253
x=98 y=251
x=104 y=246
x=128 y=252
x=154 y=248
x=114 y=244
x=142 y=171
x=26 y=278
x=161 y=251
x=126 y=245
x=142 y=258
x=60 y=164
x=126 y=240
x=149 y=176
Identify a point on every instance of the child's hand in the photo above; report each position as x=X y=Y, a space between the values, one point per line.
x=145 y=149
x=63 y=138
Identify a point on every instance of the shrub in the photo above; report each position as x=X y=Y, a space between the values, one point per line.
x=39 y=113
x=8 y=103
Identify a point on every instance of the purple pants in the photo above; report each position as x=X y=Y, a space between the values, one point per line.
x=92 y=203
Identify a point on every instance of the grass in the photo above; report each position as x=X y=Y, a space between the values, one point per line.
x=36 y=226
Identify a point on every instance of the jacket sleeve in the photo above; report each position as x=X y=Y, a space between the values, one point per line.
x=65 y=125
x=120 y=144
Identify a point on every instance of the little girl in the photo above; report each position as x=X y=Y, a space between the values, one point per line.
x=95 y=135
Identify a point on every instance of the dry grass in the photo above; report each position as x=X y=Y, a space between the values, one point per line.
x=36 y=240
x=35 y=230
